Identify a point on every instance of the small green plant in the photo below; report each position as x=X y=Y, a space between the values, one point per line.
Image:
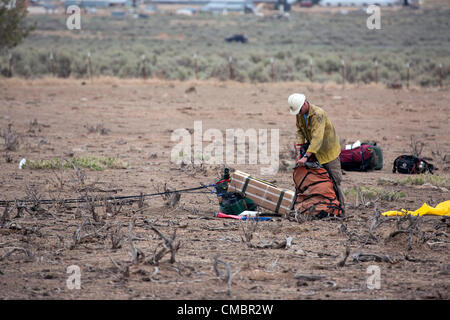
x=418 y=180
x=88 y=162
x=364 y=195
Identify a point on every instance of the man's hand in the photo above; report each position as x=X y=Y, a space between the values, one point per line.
x=302 y=160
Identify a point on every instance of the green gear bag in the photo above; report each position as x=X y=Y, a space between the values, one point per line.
x=234 y=203
x=378 y=158
x=376 y=161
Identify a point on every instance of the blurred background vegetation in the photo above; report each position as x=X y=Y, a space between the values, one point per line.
x=169 y=42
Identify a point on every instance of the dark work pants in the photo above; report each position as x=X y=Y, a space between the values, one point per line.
x=334 y=167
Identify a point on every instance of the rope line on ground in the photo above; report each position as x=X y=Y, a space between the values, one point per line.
x=4 y=203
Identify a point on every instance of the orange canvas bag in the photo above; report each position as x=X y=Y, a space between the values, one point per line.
x=315 y=192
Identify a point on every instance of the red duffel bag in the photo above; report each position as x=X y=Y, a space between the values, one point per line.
x=357 y=159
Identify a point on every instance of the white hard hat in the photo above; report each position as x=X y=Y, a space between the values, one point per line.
x=296 y=101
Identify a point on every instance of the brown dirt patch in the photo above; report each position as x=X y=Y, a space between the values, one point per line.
x=140 y=118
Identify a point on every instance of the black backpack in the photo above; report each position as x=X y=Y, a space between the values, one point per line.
x=411 y=165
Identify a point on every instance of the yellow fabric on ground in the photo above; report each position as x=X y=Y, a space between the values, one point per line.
x=442 y=209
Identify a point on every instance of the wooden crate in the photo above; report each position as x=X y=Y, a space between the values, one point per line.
x=263 y=193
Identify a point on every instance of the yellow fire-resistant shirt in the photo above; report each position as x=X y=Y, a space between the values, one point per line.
x=320 y=133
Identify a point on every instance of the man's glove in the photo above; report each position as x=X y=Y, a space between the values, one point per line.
x=301 y=160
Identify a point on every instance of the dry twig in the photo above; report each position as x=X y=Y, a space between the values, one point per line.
x=34 y=196
x=416 y=146
x=136 y=254
x=363 y=257
x=14 y=249
x=113 y=207
x=341 y=262
x=116 y=237
x=5 y=216
x=11 y=138
x=248 y=227
x=377 y=220
x=124 y=271
x=273 y=244
x=228 y=274
x=78 y=236
x=413 y=228
x=169 y=245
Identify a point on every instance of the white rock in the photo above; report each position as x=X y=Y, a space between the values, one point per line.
x=22 y=163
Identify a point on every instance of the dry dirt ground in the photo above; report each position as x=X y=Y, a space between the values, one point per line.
x=53 y=119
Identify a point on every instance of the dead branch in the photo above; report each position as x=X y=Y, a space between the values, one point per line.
x=445 y=270
x=174 y=199
x=273 y=244
x=154 y=273
x=309 y=277
x=352 y=235
x=170 y=197
x=341 y=262
x=113 y=207
x=108 y=207
x=20 y=208
x=61 y=239
x=90 y=204
x=12 y=139
x=167 y=192
x=140 y=210
x=92 y=188
x=141 y=201
x=412 y=228
x=364 y=257
x=169 y=245
x=116 y=237
x=136 y=254
x=377 y=220
x=59 y=177
x=301 y=218
x=12 y=225
x=79 y=176
x=5 y=216
x=32 y=230
x=34 y=196
x=416 y=146
x=14 y=249
x=393 y=234
x=248 y=227
x=125 y=271
x=34 y=127
x=191 y=169
x=375 y=223
x=442 y=224
x=228 y=274
x=343 y=228
x=58 y=206
x=78 y=237
x=412 y=259
x=98 y=128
